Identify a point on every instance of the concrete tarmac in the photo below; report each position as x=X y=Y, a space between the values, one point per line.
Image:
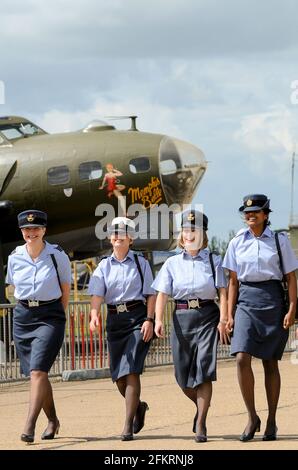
x=91 y=413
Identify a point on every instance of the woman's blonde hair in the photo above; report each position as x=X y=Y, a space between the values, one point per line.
x=204 y=243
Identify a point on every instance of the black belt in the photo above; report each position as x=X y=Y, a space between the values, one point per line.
x=192 y=303
x=36 y=303
x=124 y=306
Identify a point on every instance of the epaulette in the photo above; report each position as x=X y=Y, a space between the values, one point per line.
x=284 y=234
x=13 y=252
x=57 y=247
x=240 y=232
x=139 y=253
x=215 y=252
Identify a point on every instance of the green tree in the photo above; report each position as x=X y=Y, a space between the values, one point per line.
x=220 y=246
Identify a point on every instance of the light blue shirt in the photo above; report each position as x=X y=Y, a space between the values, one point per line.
x=255 y=259
x=38 y=280
x=185 y=277
x=120 y=281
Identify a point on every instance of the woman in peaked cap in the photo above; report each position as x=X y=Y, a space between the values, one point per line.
x=123 y=280
x=261 y=320
x=41 y=275
x=192 y=278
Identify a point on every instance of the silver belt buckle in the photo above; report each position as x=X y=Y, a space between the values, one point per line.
x=193 y=303
x=33 y=303
x=121 y=308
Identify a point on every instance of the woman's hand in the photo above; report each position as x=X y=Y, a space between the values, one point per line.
x=289 y=320
x=159 y=330
x=147 y=330
x=223 y=335
x=230 y=326
x=94 y=323
x=96 y=302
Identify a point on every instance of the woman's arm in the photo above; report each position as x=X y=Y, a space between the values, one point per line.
x=65 y=289
x=117 y=172
x=96 y=302
x=147 y=327
x=232 y=299
x=223 y=319
x=289 y=318
x=160 y=306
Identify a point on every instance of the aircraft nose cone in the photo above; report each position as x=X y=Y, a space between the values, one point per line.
x=182 y=166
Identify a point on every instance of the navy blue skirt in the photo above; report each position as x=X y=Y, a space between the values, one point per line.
x=38 y=333
x=125 y=342
x=258 y=328
x=194 y=341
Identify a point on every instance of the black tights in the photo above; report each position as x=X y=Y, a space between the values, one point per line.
x=201 y=397
x=41 y=397
x=130 y=388
x=247 y=382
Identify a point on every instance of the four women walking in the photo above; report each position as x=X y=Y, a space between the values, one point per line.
x=256 y=312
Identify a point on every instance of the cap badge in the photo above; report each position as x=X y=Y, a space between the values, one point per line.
x=191 y=216
x=121 y=225
x=249 y=202
x=30 y=217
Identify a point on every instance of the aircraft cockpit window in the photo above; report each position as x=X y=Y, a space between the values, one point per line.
x=139 y=165
x=90 y=171
x=19 y=130
x=11 y=133
x=28 y=128
x=58 y=175
x=168 y=167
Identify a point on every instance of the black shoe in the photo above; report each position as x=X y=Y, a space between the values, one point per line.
x=194 y=426
x=139 y=420
x=249 y=436
x=50 y=435
x=201 y=437
x=29 y=438
x=271 y=436
x=127 y=437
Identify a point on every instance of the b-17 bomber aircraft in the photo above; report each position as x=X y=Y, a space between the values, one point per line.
x=68 y=175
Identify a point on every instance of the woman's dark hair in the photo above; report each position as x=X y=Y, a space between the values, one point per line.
x=267 y=221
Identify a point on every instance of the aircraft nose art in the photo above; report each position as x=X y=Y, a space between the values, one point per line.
x=182 y=166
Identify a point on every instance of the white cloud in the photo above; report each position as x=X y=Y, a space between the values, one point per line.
x=132 y=28
x=216 y=74
x=154 y=118
x=269 y=138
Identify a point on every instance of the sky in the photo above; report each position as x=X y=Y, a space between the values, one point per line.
x=218 y=74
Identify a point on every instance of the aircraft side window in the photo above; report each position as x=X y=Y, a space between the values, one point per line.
x=58 y=175
x=90 y=171
x=139 y=165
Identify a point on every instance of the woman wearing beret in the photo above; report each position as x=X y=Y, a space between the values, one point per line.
x=41 y=275
x=261 y=321
x=123 y=280
x=191 y=278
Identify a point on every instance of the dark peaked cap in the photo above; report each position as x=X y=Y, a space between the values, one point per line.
x=194 y=219
x=32 y=218
x=255 y=202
